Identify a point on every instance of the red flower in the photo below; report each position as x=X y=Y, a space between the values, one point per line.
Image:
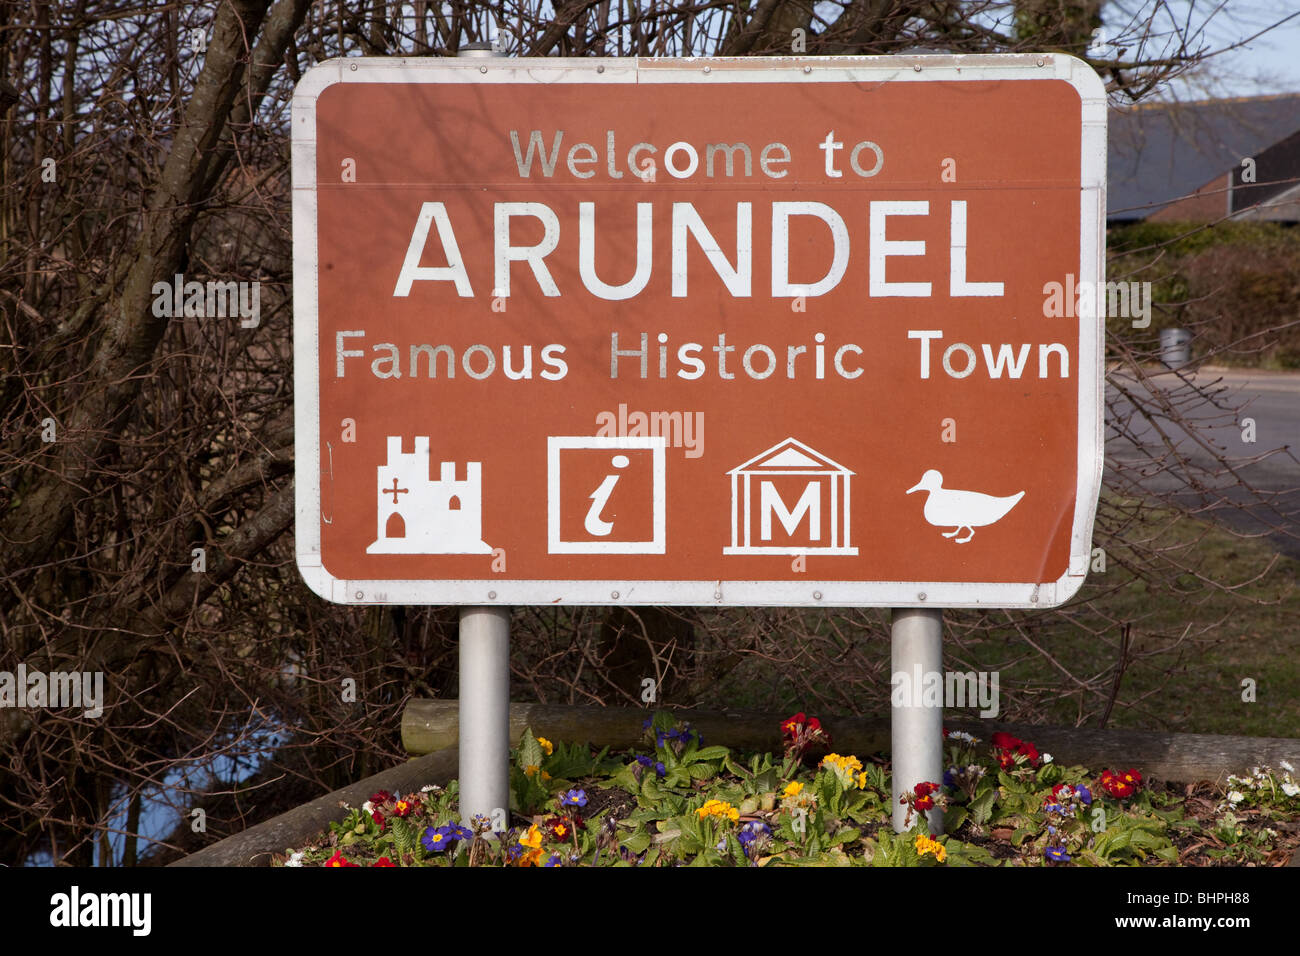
x=378 y=818
x=337 y=860
x=380 y=796
x=404 y=808
x=1008 y=747
x=923 y=799
x=383 y=861
x=1121 y=785
x=792 y=725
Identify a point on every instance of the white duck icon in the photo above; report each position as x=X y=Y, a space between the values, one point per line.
x=947 y=508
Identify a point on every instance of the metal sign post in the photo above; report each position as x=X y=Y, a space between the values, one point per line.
x=485 y=714
x=916 y=731
x=484 y=687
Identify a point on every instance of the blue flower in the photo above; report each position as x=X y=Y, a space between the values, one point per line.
x=574 y=798
x=1057 y=854
x=1084 y=793
x=552 y=860
x=752 y=830
x=459 y=832
x=646 y=724
x=947 y=778
x=648 y=762
x=435 y=841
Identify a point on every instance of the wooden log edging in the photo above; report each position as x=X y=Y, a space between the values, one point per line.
x=429 y=725
x=254 y=846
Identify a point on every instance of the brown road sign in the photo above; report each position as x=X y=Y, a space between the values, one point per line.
x=786 y=331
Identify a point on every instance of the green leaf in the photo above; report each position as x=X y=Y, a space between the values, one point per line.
x=530 y=751
x=638 y=842
x=954 y=817
x=981 y=808
x=1019 y=834
x=716 y=752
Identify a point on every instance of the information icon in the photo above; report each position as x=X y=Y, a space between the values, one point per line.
x=605 y=495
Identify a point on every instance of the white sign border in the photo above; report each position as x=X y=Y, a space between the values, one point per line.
x=596 y=71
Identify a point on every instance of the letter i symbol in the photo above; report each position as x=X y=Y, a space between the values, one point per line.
x=594 y=524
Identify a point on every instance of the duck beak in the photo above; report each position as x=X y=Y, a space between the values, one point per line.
x=916 y=487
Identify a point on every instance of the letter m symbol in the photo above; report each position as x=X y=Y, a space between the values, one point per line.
x=809 y=503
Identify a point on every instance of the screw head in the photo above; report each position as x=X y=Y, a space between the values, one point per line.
x=492 y=595
x=921 y=596
x=600 y=69
x=482 y=69
x=917 y=67
x=359 y=595
x=717 y=595
x=353 y=67
x=817 y=595
x=1041 y=61
x=807 y=69
x=708 y=69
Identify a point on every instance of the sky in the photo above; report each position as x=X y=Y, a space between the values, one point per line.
x=1268 y=64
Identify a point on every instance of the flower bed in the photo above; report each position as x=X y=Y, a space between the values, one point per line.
x=679 y=801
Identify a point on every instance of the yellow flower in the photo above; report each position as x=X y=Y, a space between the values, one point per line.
x=545 y=775
x=531 y=769
x=792 y=789
x=546 y=745
x=718 y=808
x=862 y=780
x=925 y=845
x=844 y=767
x=532 y=838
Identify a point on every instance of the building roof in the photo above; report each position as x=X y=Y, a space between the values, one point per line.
x=1160 y=152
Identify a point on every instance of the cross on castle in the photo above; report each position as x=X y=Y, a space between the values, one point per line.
x=395 y=491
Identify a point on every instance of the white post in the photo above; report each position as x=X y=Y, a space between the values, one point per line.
x=484 y=709
x=916 y=731
x=484 y=770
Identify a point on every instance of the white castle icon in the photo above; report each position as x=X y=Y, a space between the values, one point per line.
x=418 y=515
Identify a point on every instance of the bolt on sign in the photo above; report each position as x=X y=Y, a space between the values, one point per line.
x=731 y=331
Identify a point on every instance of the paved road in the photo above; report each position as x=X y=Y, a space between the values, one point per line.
x=1250 y=486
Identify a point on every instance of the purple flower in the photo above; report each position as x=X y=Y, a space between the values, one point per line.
x=552 y=860
x=1057 y=854
x=1084 y=793
x=574 y=798
x=435 y=841
x=458 y=832
x=658 y=765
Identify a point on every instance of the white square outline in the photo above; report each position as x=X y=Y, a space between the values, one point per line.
x=554 y=545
